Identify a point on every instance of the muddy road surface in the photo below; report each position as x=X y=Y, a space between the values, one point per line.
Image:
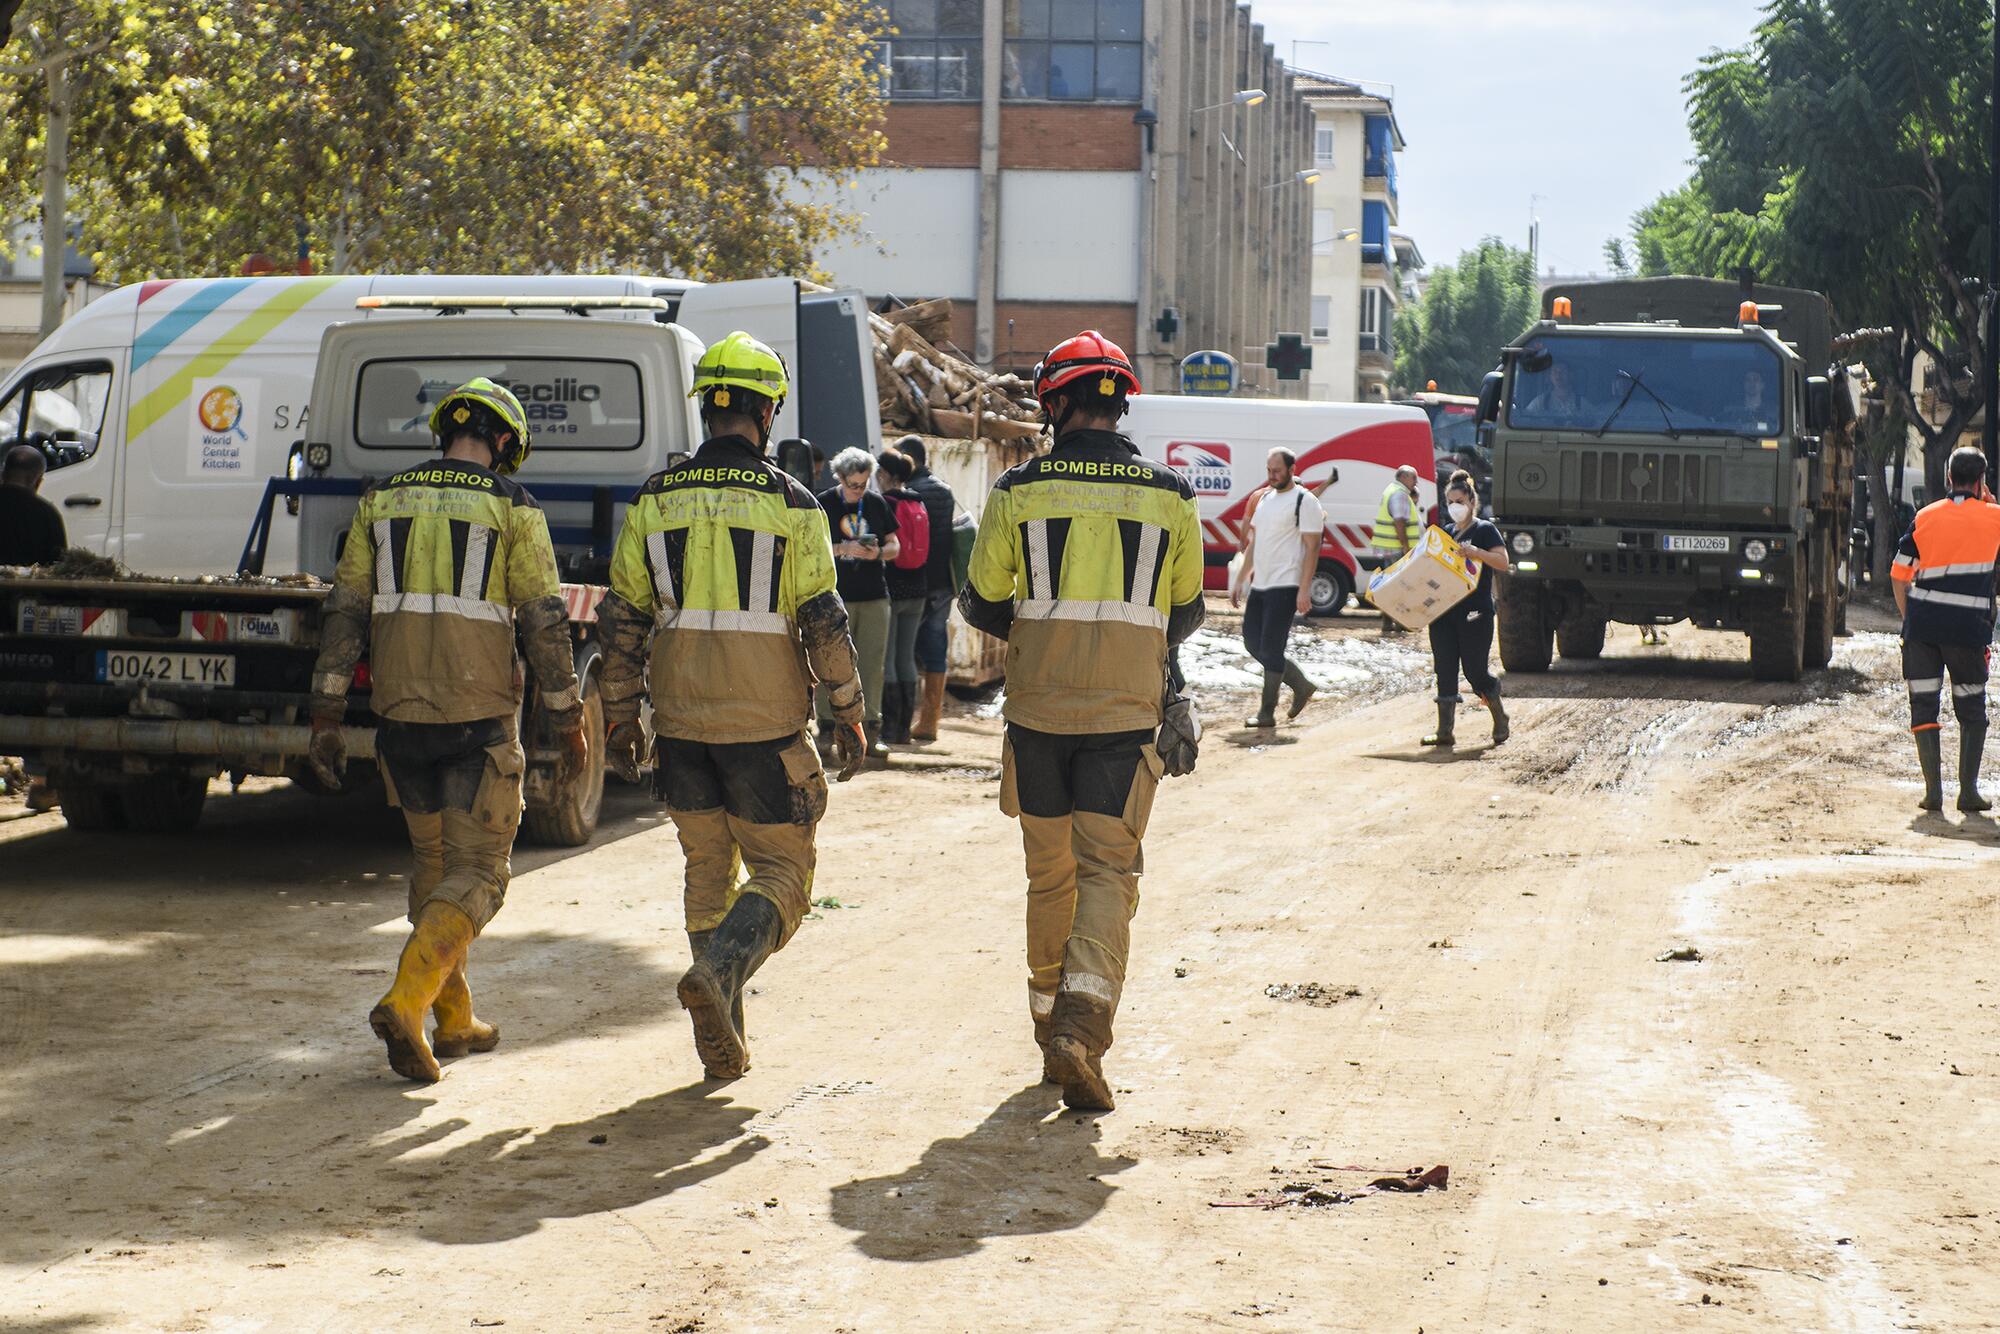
x=1353 y=958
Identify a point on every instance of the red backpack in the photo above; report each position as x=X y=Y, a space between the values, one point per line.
x=913 y=534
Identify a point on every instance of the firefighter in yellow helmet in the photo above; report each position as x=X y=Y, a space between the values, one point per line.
x=1088 y=563
x=725 y=564
x=444 y=562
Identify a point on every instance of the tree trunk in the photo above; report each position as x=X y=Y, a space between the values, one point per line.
x=55 y=204
x=1882 y=516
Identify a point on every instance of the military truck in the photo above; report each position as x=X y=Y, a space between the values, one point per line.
x=1669 y=449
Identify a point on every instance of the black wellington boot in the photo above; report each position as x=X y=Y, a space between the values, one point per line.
x=1267 y=710
x=1502 y=728
x=1971 y=748
x=1930 y=758
x=1447 y=716
x=1302 y=688
x=712 y=990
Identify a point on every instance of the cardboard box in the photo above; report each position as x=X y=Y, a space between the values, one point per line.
x=1432 y=578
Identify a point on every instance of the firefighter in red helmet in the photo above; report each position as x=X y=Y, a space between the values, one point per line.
x=1088 y=564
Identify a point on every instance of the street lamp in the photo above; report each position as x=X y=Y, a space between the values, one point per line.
x=1306 y=177
x=1249 y=97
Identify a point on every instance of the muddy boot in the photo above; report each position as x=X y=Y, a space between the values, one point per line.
x=1502 y=729
x=930 y=689
x=1447 y=716
x=698 y=946
x=1971 y=748
x=1045 y=1031
x=1085 y=1089
x=1267 y=710
x=1930 y=759
x=459 y=1032
x=435 y=950
x=1302 y=689
x=712 y=990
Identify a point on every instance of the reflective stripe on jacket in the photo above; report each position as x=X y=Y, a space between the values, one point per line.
x=1095 y=546
x=1383 y=538
x=1947 y=559
x=443 y=554
x=721 y=550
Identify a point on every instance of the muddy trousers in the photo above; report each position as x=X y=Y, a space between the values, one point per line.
x=1925 y=666
x=1083 y=802
x=745 y=813
x=1462 y=641
x=459 y=787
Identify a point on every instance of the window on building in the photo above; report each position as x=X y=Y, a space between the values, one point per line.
x=1323 y=231
x=932 y=52
x=1323 y=146
x=1322 y=318
x=1073 y=50
x=1377 y=314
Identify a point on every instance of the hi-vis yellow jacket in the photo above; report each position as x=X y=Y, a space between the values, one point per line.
x=1088 y=563
x=726 y=560
x=441 y=561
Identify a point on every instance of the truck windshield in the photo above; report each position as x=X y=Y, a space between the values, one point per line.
x=1698 y=386
x=571 y=402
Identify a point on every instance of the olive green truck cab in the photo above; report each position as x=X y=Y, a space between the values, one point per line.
x=1669 y=449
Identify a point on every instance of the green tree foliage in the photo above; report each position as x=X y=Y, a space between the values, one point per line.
x=1470 y=310
x=442 y=135
x=1615 y=257
x=1845 y=149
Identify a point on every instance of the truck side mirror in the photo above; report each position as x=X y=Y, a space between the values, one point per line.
x=295 y=463
x=1819 y=403
x=1489 y=397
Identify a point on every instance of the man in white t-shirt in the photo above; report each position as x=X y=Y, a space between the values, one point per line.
x=1281 y=535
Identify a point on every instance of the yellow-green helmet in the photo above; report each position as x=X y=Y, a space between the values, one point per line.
x=485 y=409
x=739 y=362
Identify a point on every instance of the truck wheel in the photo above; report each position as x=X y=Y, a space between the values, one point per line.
x=89 y=808
x=166 y=804
x=1527 y=639
x=1581 y=637
x=570 y=818
x=1822 y=620
x=1332 y=586
x=1778 y=644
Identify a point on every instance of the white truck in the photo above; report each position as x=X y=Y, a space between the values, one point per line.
x=1347 y=455
x=130 y=694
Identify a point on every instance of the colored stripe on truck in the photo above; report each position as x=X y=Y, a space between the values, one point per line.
x=211 y=360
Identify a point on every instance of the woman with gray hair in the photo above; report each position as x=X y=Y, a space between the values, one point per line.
x=864 y=541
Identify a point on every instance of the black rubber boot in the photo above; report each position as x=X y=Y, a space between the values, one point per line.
x=1930 y=759
x=1502 y=728
x=1302 y=689
x=878 y=754
x=1447 y=715
x=1971 y=749
x=1267 y=711
x=698 y=946
x=896 y=713
x=712 y=990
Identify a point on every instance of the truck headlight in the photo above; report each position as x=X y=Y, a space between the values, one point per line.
x=1755 y=550
x=1523 y=543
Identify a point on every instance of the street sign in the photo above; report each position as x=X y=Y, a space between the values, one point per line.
x=1208 y=373
x=1289 y=356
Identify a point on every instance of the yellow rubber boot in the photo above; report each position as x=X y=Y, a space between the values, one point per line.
x=436 y=949
x=459 y=1031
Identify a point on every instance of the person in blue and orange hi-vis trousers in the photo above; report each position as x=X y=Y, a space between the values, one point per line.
x=1944 y=576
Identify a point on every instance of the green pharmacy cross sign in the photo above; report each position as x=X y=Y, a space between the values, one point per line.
x=1208 y=374
x=1289 y=356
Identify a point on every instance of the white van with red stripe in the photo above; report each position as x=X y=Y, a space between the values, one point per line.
x=1347 y=454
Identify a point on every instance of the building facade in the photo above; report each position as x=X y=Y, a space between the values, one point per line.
x=1360 y=260
x=1056 y=165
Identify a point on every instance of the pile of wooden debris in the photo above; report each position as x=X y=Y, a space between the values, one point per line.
x=925 y=389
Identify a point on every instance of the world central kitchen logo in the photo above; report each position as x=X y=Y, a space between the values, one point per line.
x=224 y=411
x=1206 y=466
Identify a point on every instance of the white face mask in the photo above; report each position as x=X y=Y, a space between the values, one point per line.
x=1460 y=512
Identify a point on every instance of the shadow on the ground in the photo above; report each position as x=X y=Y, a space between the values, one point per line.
x=1692 y=680
x=1019 y=1173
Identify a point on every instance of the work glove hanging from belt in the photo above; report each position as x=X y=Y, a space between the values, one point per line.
x=1179 y=741
x=327 y=752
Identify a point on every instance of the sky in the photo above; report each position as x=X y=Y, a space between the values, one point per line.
x=1576 y=101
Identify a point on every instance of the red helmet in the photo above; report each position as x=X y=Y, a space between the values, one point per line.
x=1089 y=353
